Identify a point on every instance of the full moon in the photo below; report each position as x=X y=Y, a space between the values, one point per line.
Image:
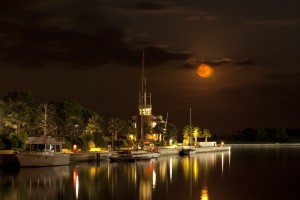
x=204 y=71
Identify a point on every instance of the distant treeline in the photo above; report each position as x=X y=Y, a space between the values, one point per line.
x=251 y=135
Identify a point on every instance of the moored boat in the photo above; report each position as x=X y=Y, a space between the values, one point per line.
x=130 y=156
x=150 y=154
x=121 y=156
x=187 y=151
x=43 y=151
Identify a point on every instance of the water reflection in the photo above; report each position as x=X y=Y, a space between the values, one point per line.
x=35 y=183
x=169 y=177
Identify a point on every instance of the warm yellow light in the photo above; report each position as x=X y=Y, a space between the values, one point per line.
x=131 y=136
x=95 y=149
x=204 y=194
x=74 y=148
x=204 y=71
x=92 y=172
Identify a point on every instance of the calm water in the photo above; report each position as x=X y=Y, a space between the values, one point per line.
x=242 y=173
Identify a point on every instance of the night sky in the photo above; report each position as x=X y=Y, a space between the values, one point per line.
x=91 y=52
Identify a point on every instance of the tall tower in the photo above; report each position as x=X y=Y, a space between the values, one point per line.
x=145 y=106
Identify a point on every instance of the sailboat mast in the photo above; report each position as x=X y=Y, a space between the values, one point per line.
x=143 y=82
x=190 y=126
x=143 y=100
x=45 y=120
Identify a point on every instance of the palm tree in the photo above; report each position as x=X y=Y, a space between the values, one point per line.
x=93 y=128
x=206 y=134
x=160 y=130
x=197 y=133
x=114 y=127
x=128 y=129
x=171 y=132
x=187 y=133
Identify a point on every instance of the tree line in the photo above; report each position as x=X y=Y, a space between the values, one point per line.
x=21 y=117
x=263 y=135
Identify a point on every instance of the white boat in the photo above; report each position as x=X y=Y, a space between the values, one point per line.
x=129 y=156
x=150 y=154
x=43 y=151
x=122 y=156
x=187 y=151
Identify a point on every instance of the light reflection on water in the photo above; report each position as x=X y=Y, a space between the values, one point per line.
x=243 y=173
x=162 y=178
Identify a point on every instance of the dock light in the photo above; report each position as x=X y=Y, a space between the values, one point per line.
x=170 y=142
x=131 y=136
x=74 y=148
x=222 y=143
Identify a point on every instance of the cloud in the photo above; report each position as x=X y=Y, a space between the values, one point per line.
x=294 y=76
x=161 y=7
x=39 y=34
x=281 y=22
x=145 y=6
x=193 y=63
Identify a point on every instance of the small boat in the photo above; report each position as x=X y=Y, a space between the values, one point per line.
x=43 y=151
x=115 y=158
x=188 y=151
x=129 y=156
x=121 y=156
x=150 y=154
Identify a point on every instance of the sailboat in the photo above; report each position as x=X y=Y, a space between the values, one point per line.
x=189 y=150
x=43 y=151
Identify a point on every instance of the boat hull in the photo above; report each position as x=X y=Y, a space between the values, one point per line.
x=42 y=160
x=187 y=152
x=148 y=154
x=122 y=159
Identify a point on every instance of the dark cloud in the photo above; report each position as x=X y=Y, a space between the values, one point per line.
x=287 y=76
x=35 y=36
x=279 y=22
x=146 y=5
x=192 y=64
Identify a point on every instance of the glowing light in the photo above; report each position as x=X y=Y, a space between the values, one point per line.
x=222 y=163
x=74 y=148
x=92 y=172
x=195 y=170
x=204 y=71
x=75 y=182
x=153 y=179
x=171 y=170
x=204 y=194
x=131 y=136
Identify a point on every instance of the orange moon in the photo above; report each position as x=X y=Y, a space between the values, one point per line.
x=204 y=71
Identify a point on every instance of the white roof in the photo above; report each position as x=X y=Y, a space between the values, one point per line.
x=42 y=140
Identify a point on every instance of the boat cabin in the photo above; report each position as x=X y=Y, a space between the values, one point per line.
x=45 y=144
